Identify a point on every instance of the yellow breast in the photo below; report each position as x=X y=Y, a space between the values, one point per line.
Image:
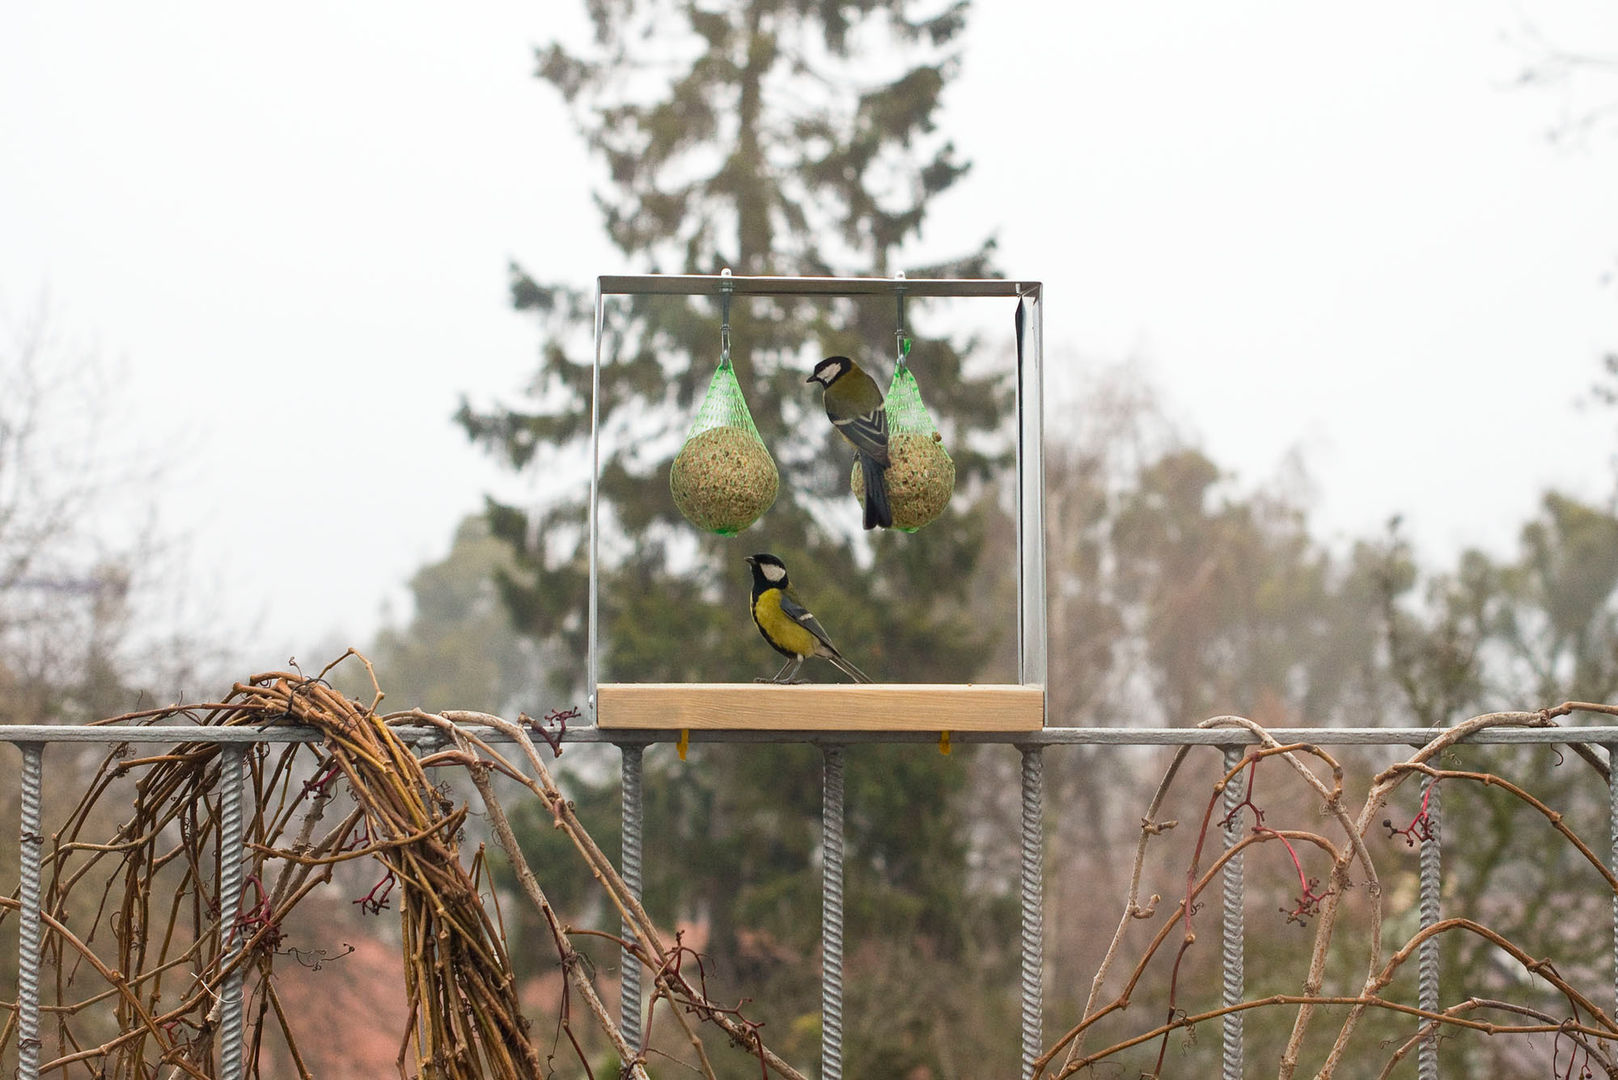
x=784 y=633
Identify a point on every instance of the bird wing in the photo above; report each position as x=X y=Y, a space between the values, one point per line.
x=868 y=432
x=806 y=619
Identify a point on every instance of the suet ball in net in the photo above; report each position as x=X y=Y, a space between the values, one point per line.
x=723 y=478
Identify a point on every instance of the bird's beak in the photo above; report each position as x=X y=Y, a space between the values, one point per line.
x=812 y=378
x=750 y=561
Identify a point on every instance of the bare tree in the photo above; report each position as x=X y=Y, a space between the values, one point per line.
x=1587 y=81
x=80 y=551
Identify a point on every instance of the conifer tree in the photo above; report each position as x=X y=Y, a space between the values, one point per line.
x=774 y=137
x=771 y=137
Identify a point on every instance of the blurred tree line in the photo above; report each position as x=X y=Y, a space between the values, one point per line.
x=781 y=137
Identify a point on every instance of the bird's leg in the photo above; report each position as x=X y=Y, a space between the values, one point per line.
x=795 y=663
x=789 y=674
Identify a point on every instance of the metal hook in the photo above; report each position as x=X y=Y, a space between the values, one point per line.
x=901 y=342
x=726 y=288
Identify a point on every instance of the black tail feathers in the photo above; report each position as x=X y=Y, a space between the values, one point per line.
x=842 y=664
x=878 y=513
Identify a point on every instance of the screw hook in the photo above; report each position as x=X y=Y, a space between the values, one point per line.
x=901 y=342
x=726 y=288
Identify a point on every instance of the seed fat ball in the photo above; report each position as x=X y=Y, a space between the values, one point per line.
x=723 y=479
x=921 y=479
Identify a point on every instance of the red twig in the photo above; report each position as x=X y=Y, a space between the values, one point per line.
x=1420 y=827
x=376 y=901
x=321 y=782
x=551 y=727
x=259 y=916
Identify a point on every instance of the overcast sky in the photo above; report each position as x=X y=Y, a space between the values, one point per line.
x=1344 y=233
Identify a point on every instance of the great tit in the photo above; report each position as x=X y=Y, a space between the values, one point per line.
x=787 y=625
x=855 y=408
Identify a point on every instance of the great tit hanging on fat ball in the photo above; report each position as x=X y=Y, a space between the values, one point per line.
x=855 y=407
x=787 y=625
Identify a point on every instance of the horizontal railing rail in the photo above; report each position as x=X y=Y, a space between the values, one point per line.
x=1600 y=735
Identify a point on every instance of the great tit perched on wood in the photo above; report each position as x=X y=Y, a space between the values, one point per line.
x=787 y=625
x=855 y=408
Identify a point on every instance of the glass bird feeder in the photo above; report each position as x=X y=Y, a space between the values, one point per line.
x=832 y=707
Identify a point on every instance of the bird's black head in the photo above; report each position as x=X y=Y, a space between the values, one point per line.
x=768 y=571
x=830 y=369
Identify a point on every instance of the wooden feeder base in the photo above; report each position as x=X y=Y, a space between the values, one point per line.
x=843 y=707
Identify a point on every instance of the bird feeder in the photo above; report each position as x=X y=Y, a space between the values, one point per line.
x=723 y=478
x=828 y=708
x=921 y=474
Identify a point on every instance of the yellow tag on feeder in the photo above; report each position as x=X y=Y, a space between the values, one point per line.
x=921 y=474
x=723 y=478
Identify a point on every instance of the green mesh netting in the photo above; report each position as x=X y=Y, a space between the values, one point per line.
x=907 y=415
x=723 y=405
x=723 y=478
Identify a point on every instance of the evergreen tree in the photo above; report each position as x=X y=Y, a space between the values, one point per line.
x=761 y=137
x=772 y=137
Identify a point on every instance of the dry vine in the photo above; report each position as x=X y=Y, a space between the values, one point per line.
x=146 y=1004
x=1589 y=1030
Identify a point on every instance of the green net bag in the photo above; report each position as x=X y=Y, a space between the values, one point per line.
x=723 y=478
x=921 y=476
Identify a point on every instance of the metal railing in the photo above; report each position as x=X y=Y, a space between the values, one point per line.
x=33 y=741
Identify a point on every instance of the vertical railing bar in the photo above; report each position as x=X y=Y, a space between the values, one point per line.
x=593 y=660
x=1234 y=946
x=1033 y=906
x=634 y=824
x=1432 y=855
x=31 y=853
x=831 y=916
x=1612 y=826
x=231 y=758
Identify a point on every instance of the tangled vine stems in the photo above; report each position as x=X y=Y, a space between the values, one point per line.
x=1593 y=1038
x=1581 y=1039
x=647 y=944
x=153 y=886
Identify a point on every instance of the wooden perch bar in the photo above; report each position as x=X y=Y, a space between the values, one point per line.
x=852 y=707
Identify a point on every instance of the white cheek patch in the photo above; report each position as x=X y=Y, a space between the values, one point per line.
x=772 y=572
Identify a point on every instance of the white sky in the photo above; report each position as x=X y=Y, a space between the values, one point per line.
x=1341 y=232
